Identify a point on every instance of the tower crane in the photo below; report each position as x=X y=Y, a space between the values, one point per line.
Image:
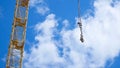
x=80 y=23
x=16 y=47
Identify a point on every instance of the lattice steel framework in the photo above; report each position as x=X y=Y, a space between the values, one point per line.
x=16 y=47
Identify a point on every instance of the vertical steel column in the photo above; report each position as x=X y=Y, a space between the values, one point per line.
x=16 y=47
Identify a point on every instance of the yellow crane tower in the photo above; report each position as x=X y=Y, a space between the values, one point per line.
x=16 y=47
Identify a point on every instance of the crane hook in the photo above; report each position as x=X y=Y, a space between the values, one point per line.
x=80 y=22
x=81 y=35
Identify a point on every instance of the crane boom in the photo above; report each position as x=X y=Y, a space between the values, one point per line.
x=16 y=47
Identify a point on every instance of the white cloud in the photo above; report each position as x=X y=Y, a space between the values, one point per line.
x=45 y=48
x=40 y=6
x=43 y=10
x=36 y=2
x=101 y=34
x=65 y=23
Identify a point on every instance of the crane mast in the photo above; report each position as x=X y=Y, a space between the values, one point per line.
x=16 y=47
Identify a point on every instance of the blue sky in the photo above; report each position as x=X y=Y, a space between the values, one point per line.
x=53 y=23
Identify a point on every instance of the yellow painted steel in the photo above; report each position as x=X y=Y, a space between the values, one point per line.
x=16 y=47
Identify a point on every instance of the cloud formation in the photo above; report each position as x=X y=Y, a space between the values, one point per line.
x=101 y=33
x=40 y=6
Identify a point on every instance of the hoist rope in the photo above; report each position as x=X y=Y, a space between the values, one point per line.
x=80 y=22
